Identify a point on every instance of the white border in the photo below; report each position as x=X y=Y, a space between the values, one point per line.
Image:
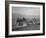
x=24 y=32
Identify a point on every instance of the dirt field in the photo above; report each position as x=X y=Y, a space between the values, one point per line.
x=28 y=27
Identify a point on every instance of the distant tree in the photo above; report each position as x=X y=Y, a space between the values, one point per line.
x=34 y=20
x=24 y=19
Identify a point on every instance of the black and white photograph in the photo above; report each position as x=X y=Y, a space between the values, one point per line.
x=25 y=19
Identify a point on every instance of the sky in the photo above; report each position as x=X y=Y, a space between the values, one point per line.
x=27 y=11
